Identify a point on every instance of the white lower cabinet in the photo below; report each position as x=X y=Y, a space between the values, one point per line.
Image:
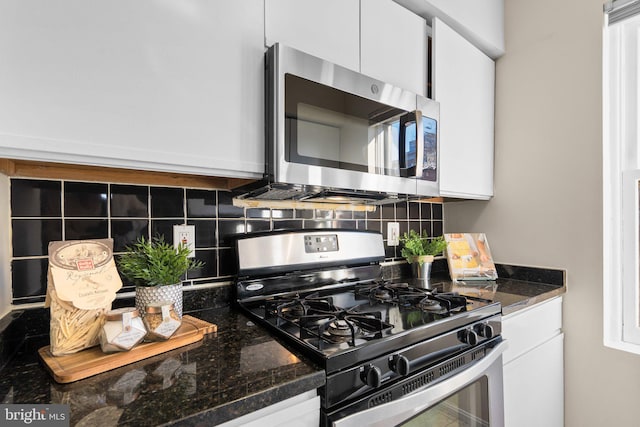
x=533 y=366
x=302 y=410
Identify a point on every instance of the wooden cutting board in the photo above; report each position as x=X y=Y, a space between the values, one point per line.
x=93 y=361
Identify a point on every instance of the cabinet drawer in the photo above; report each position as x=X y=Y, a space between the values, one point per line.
x=531 y=327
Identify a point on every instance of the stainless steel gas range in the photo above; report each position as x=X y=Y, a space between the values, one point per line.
x=393 y=354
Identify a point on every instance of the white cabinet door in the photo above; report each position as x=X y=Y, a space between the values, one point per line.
x=533 y=387
x=464 y=84
x=329 y=29
x=394 y=45
x=148 y=84
x=534 y=366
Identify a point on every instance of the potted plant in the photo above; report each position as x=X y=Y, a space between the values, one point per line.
x=156 y=269
x=419 y=251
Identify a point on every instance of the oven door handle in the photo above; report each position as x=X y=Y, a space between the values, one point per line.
x=403 y=409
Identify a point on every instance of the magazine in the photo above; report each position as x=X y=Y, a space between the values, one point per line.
x=469 y=257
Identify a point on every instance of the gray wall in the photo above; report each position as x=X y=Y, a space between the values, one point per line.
x=547 y=209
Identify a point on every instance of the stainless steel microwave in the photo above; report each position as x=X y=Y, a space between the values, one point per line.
x=331 y=128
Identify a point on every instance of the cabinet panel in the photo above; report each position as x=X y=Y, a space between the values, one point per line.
x=534 y=387
x=530 y=327
x=328 y=29
x=146 y=84
x=394 y=45
x=464 y=84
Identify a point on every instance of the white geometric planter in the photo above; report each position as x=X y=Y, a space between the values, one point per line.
x=146 y=295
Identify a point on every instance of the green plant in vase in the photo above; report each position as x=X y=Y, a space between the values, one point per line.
x=156 y=268
x=419 y=251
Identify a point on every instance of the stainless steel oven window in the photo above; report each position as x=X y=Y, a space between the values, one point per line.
x=479 y=388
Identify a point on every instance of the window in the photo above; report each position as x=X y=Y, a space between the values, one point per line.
x=621 y=175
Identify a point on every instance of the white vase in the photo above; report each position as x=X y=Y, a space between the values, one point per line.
x=146 y=295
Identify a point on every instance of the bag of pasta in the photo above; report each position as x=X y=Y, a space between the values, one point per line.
x=82 y=284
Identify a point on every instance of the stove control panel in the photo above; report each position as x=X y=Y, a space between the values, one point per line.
x=321 y=243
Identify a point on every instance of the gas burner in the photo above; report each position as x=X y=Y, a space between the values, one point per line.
x=389 y=292
x=428 y=304
x=341 y=328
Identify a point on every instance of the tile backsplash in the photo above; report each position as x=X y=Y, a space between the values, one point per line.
x=46 y=210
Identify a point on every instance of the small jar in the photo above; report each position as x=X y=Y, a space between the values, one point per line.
x=161 y=321
x=122 y=330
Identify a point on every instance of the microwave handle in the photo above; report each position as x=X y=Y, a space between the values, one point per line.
x=413 y=171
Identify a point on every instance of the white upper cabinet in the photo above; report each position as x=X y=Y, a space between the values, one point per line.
x=394 y=45
x=464 y=84
x=376 y=37
x=328 y=29
x=481 y=22
x=149 y=84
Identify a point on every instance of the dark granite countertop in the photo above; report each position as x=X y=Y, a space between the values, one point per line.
x=238 y=370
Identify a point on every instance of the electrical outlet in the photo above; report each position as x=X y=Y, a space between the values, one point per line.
x=185 y=234
x=393 y=234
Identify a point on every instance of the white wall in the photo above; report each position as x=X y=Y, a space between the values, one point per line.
x=547 y=209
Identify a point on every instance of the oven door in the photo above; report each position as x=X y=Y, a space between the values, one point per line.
x=474 y=397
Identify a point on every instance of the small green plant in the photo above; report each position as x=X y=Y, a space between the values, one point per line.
x=417 y=245
x=155 y=262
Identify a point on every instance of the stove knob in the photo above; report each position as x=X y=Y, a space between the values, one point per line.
x=371 y=376
x=469 y=336
x=484 y=330
x=399 y=364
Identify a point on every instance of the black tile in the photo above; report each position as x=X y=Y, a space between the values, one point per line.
x=345 y=225
x=201 y=204
x=85 y=199
x=425 y=211
x=164 y=228
x=31 y=237
x=437 y=229
x=287 y=224
x=227 y=262
x=129 y=201
x=36 y=198
x=374 y=225
x=415 y=226
x=258 y=213
x=361 y=224
x=426 y=227
x=226 y=208
x=388 y=211
x=29 y=277
x=126 y=231
x=210 y=268
x=281 y=213
x=375 y=214
x=414 y=210
x=205 y=232
x=403 y=227
x=359 y=215
x=401 y=211
x=436 y=208
x=304 y=213
x=389 y=251
x=257 y=225
x=167 y=202
x=324 y=214
x=82 y=229
x=344 y=215
x=228 y=230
